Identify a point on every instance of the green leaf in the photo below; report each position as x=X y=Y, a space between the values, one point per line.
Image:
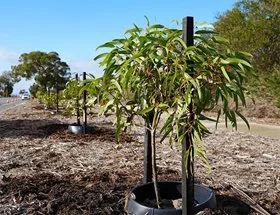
x=220 y=40
x=100 y=56
x=145 y=111
x=156 y=26
x=203 y=117
x=246 y=54
x=226 y=118
x=205 y=32
x=233 y=120
x=131 y=102
x=137 y=28
x=167 y=132
x=236 y=61
x=137 y=55
x=186 y=156
x=107 y=105
x=114 y=82
x=202 y=156
x=225 y=73
x=242 y=97
x=148 y=21
x=243 y=118
x=107 y=45
x=163 y=106
x=181 y=42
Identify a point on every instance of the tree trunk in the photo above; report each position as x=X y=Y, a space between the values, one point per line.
x=154 y=167
x=148 y=172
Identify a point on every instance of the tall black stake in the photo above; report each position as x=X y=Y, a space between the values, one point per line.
x=187 y=172
x=85 y=106
x=56 y=96
x=148 y=171
x=77 y=103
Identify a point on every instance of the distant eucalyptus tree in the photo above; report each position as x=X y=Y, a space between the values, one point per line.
x=6 y=84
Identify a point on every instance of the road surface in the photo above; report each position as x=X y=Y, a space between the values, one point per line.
x=272 y=131
x=10 y=102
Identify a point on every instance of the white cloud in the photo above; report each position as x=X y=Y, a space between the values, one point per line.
x=7 y=56
x=90 y=66
x=205 y=25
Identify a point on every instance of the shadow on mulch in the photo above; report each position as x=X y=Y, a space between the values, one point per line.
x=60 y=132
x=53 y=129
x=231 y=205
x=25 y=127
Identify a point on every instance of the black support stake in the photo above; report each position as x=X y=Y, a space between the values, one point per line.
x=84 y=106
x=148 y=171
x=77 y=103
x=188 y=171
x=56 y=96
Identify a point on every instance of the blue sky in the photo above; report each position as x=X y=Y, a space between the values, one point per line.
x=75 y=28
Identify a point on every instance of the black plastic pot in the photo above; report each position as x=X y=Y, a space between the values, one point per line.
x=204 y=197
x=90 y=129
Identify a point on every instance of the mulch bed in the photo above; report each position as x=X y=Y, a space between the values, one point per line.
x=44 y=169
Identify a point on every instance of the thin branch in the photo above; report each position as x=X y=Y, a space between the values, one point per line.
x=248 y=200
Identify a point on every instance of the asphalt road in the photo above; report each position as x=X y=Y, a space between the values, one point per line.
x=10 y=102
x=272 y=131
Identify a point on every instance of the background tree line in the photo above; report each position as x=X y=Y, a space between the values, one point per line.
x=47 y=69
x=6 y=84
x=49 y=72
x=254 y=26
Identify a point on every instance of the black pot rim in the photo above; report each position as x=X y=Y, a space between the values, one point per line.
x=208 y=200
x=77 y=125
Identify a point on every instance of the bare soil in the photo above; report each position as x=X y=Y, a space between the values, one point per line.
x=46 y=170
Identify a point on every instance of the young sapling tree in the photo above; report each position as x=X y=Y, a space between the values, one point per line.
x=152 y=72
